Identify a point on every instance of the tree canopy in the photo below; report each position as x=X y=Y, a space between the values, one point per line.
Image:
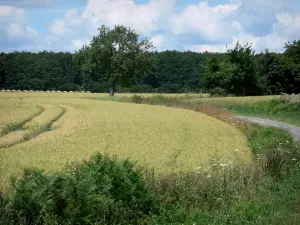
x=119 y=59
x=117 y=55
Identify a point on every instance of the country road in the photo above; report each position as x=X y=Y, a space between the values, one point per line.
x=294 y=130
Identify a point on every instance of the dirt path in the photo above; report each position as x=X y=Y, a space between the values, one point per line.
x=294 y=130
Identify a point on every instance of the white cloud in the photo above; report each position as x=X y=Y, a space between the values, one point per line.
x=203 y=20
x=14 y=27
x=58 y=27
x=31 y=33
x=198 y=27
x=225 y=9
x=288 y=25
x=244 y=38
x=79 y=43
x=158 y=41
x=204 y=48
x=10 y=14
x=145 y=18
x=5 y=11
x=28 y=3
x=14 y=31
x=70 y=14
x=284 y=18
x=74 y=27
x=236 y=25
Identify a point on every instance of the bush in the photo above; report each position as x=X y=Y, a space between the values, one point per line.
x=141 y=88
x=102 y=191
x=137 y=99
x=69 y=87
x=96 y=87
x=218 y=92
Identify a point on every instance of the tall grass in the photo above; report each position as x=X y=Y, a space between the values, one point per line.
x=276 y=109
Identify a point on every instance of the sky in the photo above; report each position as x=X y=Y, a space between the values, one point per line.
x=183 y=25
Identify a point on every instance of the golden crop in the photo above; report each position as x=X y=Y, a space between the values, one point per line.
x=71 y=128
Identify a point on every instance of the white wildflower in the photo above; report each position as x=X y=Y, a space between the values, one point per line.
x=223 y=164
x=198 y=169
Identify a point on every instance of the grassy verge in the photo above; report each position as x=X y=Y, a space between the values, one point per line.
x=275 y=109
x=111 y=191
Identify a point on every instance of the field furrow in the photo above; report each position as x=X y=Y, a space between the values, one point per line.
x=22 y=116
x=42 y=122
x=12 y=138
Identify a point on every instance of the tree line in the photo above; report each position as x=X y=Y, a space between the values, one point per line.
x=116 y=60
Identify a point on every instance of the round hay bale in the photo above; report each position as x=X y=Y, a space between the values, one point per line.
x=82 y=92
x=13 y=90
x=48 y=91
x=25 y=91
x=7 y=90
x=58 y=91
x=88 y=92
x=65 y=92
x=19 y=91
x=2 y=90
x=70 y=91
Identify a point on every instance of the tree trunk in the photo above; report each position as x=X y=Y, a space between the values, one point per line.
x=113 y=88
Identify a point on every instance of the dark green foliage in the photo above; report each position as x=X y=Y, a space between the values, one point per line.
x=238 y=72
x=96 y=87
x=102 y=191
x=218 y=92
x=116 y=54
x=272 y=78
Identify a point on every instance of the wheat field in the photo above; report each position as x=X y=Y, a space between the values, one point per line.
x=50 y=130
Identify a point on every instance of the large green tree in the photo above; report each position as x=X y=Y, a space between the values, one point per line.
x=244 y=77
x=271 y=76
x=290 y=62
x=117 y=55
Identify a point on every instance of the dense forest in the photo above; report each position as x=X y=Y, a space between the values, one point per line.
x=239 y=71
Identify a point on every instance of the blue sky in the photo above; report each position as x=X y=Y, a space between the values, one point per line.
x=196 y=25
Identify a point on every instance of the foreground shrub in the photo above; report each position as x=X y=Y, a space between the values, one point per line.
x=102 y=190
x=218 y=92
x=137 y=99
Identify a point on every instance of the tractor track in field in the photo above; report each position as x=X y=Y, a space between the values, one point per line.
x=19 y=125
x=45 y=128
